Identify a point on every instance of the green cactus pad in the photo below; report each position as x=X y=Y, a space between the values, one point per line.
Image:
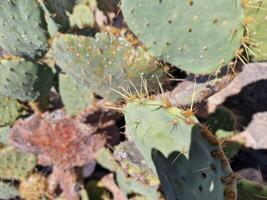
x=74 y=96
x=56 y=16
x=249 y=190
x=8 y=191
x=22 y=28
x=24 y=80
x=222 y=122
x=197 y=36
x=4 y=135
x=10 y=110
x=82 y=16
x=188 y=159
x=68 y=5
x=127 y=184
x=15 y=164
x=256 y=13
x=132 y=161
x=104 y=62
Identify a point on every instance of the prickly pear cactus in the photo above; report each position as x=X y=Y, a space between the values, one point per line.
x=68 y=5
x=188 y=159
x=249 y=190
x=15 y=164
x=4 y=135
x=132 y=161
x=75 y=97
x=55 y=15
x=127 y=184
x=22 y=28
x=104 y=62
x=82 y=16
x=24 y=80
x=222 y=122
x=8 y=191
x=10 y=110
x=256 y=13
x=34 y=187
x=197 y=36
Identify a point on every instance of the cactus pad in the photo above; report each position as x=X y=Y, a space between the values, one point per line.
x=55 y=15
x=256 y=13
x=104 y=62
x=195 y=36
x=24 y=80
x=127 y=184
x=4 y=135
x=82 y=16
x=222 y=122
x=249 y=190
x=34 y=187
x=10 y=110
x=75 y=97
x=188 y=159
x=22 y=28
x=8 y=191
x=15 y=164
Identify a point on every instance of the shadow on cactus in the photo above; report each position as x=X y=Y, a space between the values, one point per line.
x=188 y=159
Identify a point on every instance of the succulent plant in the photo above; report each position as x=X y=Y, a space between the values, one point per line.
x=74 y=96
x=255 y=10
x=127 y=184
x=10 y=110
x=251 y=190
x=188 y=159
x=82 y=15
x=222 y=122
x=15 y=164
x=23 y=28
x=4 y=135
x=104 y=62
x=34 y=187
x=184 y=34
x=55 y=15
x=24 y=80
x=8 y=191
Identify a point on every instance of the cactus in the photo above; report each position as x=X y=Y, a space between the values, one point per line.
x=255 y=10
x=249 y=190
x=8 y=191
x=24 y=80
x=104 y=62
x=68 y=5
x=4 y=135
x=222 y=122
x=195 y=36
x=74 y=96
x=34 y=187
x=188 y=159
x=127 y=184
x=82 y=16
x=95 y=190
x=10 y=110
x=55 y=15
x=23 y=28
x=132 y=161
x=15 y=164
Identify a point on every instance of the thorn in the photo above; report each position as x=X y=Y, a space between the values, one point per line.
x=135 y=88
x=118 y=92
x=160 y=86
